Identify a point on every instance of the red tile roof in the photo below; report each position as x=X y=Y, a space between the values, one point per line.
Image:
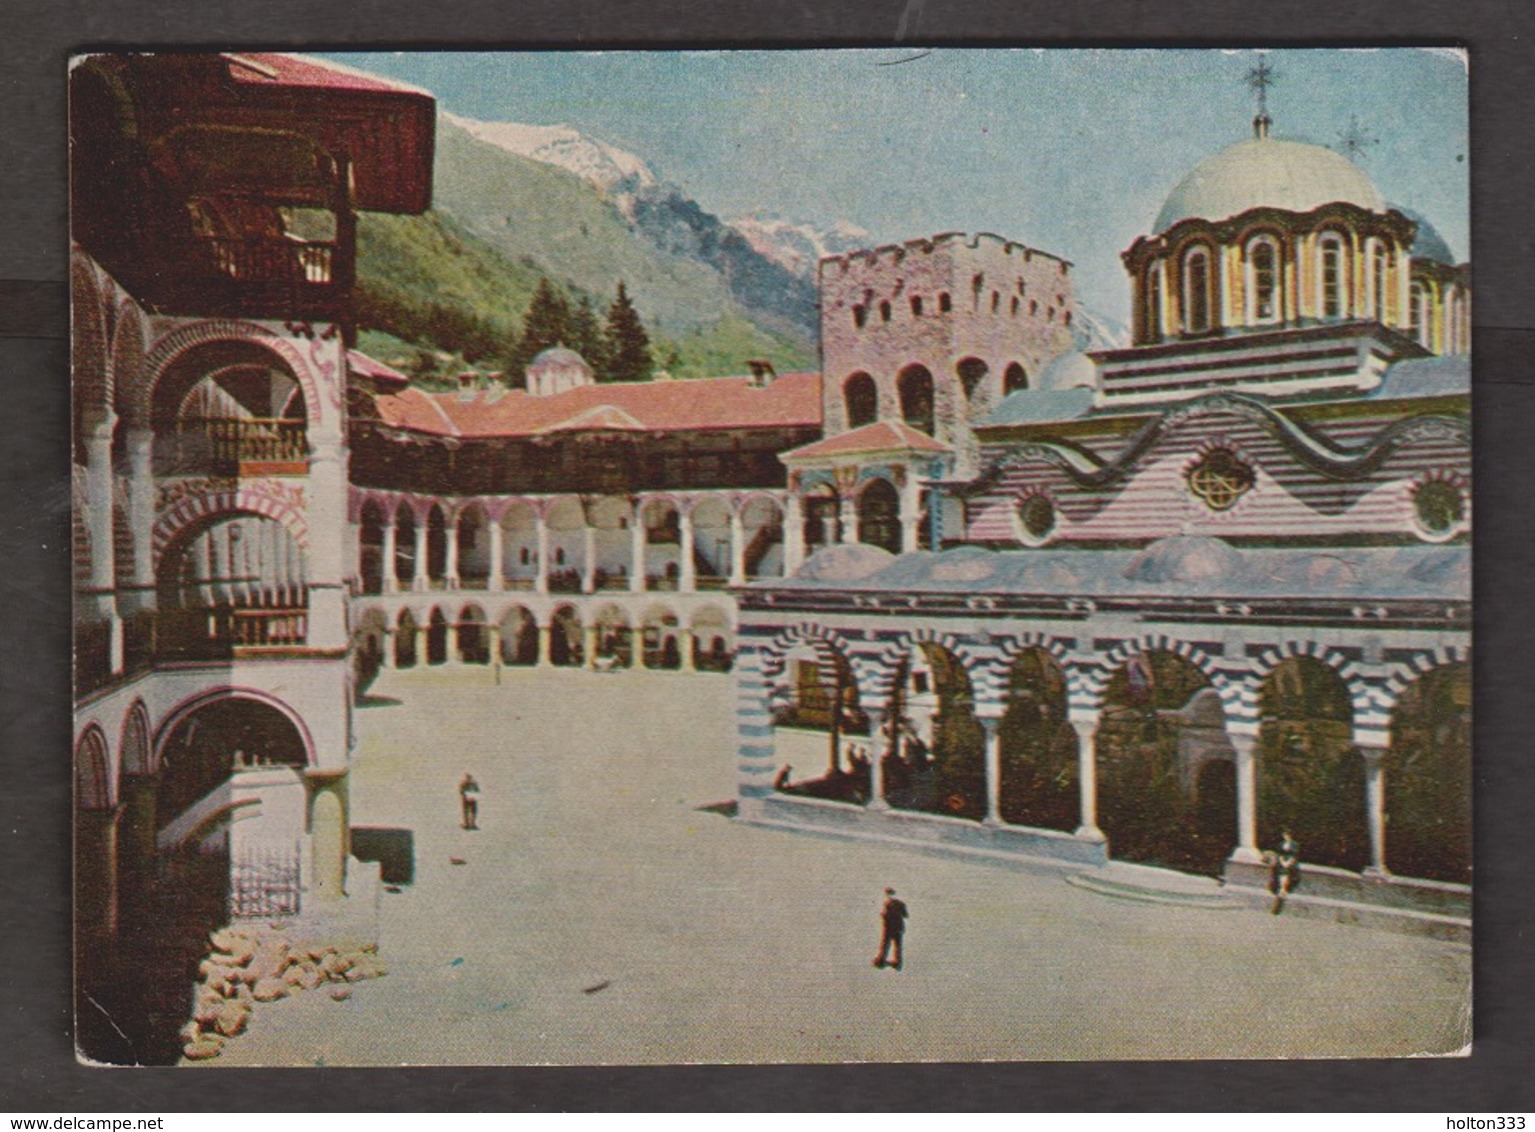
x=266 y=68
x=364 y=366
x=793 y=400
x=881 y=436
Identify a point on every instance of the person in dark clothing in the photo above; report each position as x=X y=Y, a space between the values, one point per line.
x=469 y=801
x=893 y=924
x=1285 y=870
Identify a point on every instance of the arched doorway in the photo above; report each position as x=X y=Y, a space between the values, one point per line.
x=937 y=760
x=371 y=567
x=817 y=719
x=1014 y=378
x=1038 y=746
x=713 y=647
x=762 y=524
x=1155 y=736
x=405 y=640
x=404 y=546
x=368 y=644
x=823 y=520
x=472 y=532
x=659 y=631
x=519 y=637
x=1428 y=778
x=915 y=388
x=436 y=546
x=473 y=637
x=614 y=640
x=879 y=515
x=437 y=637
x=565 y=646
x=1310 y=778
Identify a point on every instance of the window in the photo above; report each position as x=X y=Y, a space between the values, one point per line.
x=1196 y=291
x=1334 y=279
x=1013 y=306
x=916 y=306
x=915 y=386
x=1219 y=479
x=1418 y=312
x=860 y=316
x=1036 y=520
x=1378 y=281
x=996 y=301
x=971 y=371
x=1014 y=378
x=861 y=400
x=1263 y=290
x=884 y=312
x=1439 y=507
x=945 y=304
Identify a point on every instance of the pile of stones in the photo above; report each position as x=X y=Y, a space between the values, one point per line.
x=248 y=965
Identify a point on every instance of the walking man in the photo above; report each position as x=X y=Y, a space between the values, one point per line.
x=893 y=923
x=469 y=801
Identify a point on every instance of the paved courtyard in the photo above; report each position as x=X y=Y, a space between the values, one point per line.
x=601 y=916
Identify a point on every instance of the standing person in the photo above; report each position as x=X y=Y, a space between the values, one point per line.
x=1286 y=870
x=469 y=801
x=893 y=925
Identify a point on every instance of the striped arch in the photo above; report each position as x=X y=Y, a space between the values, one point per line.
x=1250 y=691
x=245 y=498
x=1373 y=725
x=1096 y=682
x=91 y=360
x=172 y=346
x=1009 y=648
x=93 y=774
x=130 y=358
x=886 y=667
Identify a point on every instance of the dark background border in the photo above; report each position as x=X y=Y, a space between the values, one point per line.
x=36 y=36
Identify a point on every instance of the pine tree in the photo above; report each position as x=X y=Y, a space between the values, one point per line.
x=547 y=323
x=628 y=345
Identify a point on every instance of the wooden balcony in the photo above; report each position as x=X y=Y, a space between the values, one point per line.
x=236 y=446
x=224 y=631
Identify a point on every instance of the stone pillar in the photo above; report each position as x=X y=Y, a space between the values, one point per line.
x=141 y=510
x=848 y=520
x=591 y=645
x=991 y=725
x=687 y=576
x=390 y=584
x=387 y=661
x=450 y=566
x=911 y=514
x=877 y=753
x=1375 y=808
x=589 y=559
x=541 y=530
x=497 y=580
x=98 y=481
x=545 y=637
x=1247 y=799
x=328 y=838
x=420 y=582
x=637 y=550
x=1087 y=777
x=793 y=535
x=685 y=647
x=636 y=646
x=737 y=549
x=327 y=570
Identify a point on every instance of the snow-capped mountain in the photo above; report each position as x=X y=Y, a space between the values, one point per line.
x=799 y=247
x=611 y=169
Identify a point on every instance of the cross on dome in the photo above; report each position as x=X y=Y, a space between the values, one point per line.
x=1259 y=79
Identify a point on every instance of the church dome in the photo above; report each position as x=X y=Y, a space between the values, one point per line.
x=557 y=356
x=557 y=369
x=1428 y=244
x=1069 y=371
x=1262 y=172
x=1188 y=560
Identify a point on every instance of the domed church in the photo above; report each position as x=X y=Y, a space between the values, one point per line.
x=1167 y=601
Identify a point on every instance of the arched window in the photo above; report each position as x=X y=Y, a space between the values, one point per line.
x=1419 y=313
x=884 y=311
x=1378 y=277
x=945 y=304
x=1196 y=291
x=860 y=316
x=1264 y=301
x=861 y=400
x=971 y=371
x=1154 y=304
x=1332 y=282
x=1014 y=378
x=916 y=306
x=915 y=386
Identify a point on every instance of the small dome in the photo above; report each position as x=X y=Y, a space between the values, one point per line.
x=1069 y=371
x=845 y=562
x=1290 y=175
x=557 y=356
x=1428 y=244
x=1187 y=559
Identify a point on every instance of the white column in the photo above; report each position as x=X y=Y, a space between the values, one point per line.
x=589 y=559
x=98 y=485
x=420 y=583
x=991 y=725
x=637 y=549
x=450 y=566
x=391 y=584
x=541 y=531
x=141 y=507
x=877 y=754
x=911 y=514
x=847 y=513
x=685 y=650
x=326 y=569
x=1375 y=808
x=591 y=645
x=793 y=535
x=687 y=576
x=545 y=638
x=387 y=643
x=497 y=555
x=1087 y=777
x=737 y=549
x=1247 y=799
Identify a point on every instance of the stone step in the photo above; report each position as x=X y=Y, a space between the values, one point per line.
x=1432 y=925
x=1154 y=886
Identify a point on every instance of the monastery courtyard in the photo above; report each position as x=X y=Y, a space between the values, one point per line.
x=603 y=914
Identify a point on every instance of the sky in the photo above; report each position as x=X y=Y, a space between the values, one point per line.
x=1071 y=151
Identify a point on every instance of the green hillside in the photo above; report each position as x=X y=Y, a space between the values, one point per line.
x=458 y=279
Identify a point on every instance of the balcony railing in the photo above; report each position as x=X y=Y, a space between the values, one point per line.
x=208 y=634
x=228 y=445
